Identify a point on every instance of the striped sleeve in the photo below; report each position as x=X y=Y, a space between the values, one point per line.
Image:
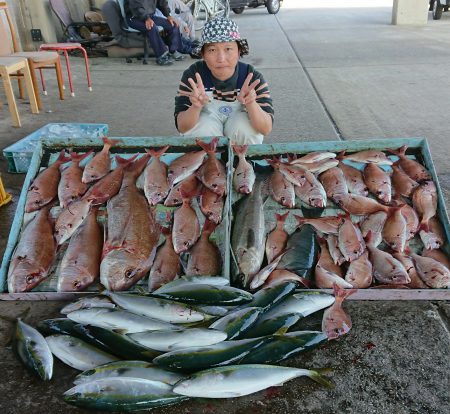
x=262 y=92
x=182 y=103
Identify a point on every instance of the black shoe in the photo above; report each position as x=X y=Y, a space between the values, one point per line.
x=164 y=60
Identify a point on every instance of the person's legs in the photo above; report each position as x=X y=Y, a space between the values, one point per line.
x=173 y=32
x=209 y=124
x=154 y=38
x=239 y=130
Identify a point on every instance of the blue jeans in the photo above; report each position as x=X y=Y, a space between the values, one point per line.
x=154 y=38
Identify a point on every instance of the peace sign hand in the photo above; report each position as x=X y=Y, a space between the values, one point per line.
x=196 y=93
x=248 y=95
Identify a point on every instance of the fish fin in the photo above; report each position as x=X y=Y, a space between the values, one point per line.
x=341 y=292
x=424 y=226
x=120 y=331
x=281 y=331
x=210 y=147
x=141 y=290
x=340 y=155
x=79 y=157
x=320 y=379
x=209 y=227
x=108 y=143
x=157 y=153
x=240 y=149
x=135 y=168
x=125 y=161
x=62 y=158
x=281 y=217
x=300 y=220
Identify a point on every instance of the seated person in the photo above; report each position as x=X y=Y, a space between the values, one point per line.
x=219 y=95
x=141 y=16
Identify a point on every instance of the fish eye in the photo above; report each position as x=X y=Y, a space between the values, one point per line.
x=76 y=284
x=69 y=225
x=29 y=279
x=214 y=186
x=186 y=243
x=129 y=273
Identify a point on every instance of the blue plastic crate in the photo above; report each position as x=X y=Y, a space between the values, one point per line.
x=19 y=154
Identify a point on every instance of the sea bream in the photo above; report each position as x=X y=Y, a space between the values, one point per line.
x=156 y=186
x=34 y=254
x=184 y=166
x=244 y=175
x=334 y=183
x=132 y=234
x=311 y=192
x=336 y=322
x=44 y=187
x=432 y=272
x=211 y=205
x=100 y=164
x=277 y=238
x=327 y=224
x=378 y=182
x=375 y=223
x=70 y=186
x=71 y=218
x=212 y=173
x=367 y=156
x=415 y=170
x=425 y=202
x=108 y=186
x=408 y=263
x=350 y=240
x=295 y=174
x=359 y=272
x=360 y=205
x=166 y=266
x=80 y=266
x=395 y=231
x=354 y=179
x=249 y=233
x=186 y=227
x=204 y=256
x=189 y=184
x=402 y=183
x=386 y=268
x=434 y=238
x=281 y=190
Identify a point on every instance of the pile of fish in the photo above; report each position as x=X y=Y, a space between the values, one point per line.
x=125 y=250
x=369 y=220
x=138 y=351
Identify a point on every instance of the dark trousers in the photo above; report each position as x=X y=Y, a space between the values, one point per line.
x=154 y=37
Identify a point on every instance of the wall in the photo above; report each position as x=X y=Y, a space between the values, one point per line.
x=37 y=14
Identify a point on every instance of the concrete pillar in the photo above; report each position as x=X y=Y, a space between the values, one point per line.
x=410 y=12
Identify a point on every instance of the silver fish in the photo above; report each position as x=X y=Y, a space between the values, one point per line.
x=249 y=233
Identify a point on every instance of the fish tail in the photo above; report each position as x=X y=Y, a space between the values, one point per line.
x=80 y=157
x=300 y=220
x=400 y=151
x=281 y=217
x=340 y=155
x=209 y=227
x=62 y=158
x=125 y=161
x=209 y=148
x=291 y=157
x=341 y=293
x=319 y=378
x=240 y=149
x=424 y=226
x=108 y=143
x=136 y=167
x=188 y=195
x=157 y=153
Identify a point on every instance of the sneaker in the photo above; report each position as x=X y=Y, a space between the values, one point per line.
x=177 y=56
x=164 y=60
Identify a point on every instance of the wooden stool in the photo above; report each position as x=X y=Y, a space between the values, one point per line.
x=64 y=48
x=11 y=67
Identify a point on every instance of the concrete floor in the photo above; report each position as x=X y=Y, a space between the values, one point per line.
x=334 y=73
